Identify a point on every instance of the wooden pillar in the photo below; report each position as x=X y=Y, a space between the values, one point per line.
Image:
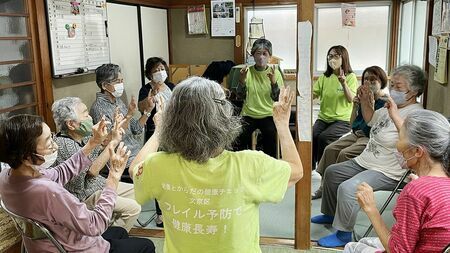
x=305 y=12
x=239 y=46
x=394 y=38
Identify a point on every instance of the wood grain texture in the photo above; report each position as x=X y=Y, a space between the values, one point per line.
x=305 y=12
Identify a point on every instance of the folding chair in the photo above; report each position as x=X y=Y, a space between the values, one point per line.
x=447 y=249
x=31 y=229
x=398 y=188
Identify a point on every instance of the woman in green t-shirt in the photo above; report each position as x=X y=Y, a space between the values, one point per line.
x=335 y=88
x=261 y=86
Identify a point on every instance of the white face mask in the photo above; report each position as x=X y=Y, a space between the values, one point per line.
x=118 y=90
x=160 y=76
x=399 y=97
x=335 y=63
x=374 y=87
x=49 y=160
x=401 y=160
x=261 y=60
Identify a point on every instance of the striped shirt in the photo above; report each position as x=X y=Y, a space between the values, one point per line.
x=422 y=215
x=104 y=106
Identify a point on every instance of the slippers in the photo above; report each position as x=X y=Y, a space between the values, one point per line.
x=338 y=239
x=322 y=219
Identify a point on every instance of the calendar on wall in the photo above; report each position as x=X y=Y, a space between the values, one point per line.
x=78 y=32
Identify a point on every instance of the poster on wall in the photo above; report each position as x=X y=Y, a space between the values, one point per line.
x=196 y=16
x=437 y=18
x=223 y=18
x=440 y=72
x=446 y=16
x=348 y=12
x=304 y=115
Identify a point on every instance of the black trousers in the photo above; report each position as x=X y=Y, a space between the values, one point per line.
x=120 y=242
x=324 y=134
x=268 y=132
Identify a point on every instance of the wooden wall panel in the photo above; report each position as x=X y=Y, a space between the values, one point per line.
x=149 y=3
x=44 y=65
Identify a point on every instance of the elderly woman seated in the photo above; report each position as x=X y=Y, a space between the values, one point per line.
x=31 y=190
x=210 y=196
x=377 y=164
x=75 y=125
x=111 y=84
x=422 y=212
x=369 y=95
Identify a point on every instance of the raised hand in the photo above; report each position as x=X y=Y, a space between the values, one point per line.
x=150 y=101
x=157 y=118
x=356 y=98
x=282 y=108
x=118 y=160
x=341 y=76
x=117 y=130
x=271 y=75
x=132 y=107
x=100 y=131
x=392 y=107
x=243 y=74
x=365 y=196
x=366 y=95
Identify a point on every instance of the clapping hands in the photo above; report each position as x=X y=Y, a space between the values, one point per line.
x=100 y=131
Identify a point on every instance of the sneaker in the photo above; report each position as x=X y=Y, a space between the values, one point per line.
x=159 y=221
x=317 y=194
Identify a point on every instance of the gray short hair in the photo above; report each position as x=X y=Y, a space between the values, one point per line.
x=64 y=110
x=431 y=131
x=414 y=75
x=198 y=121
x=261 y=44
x=106 y=73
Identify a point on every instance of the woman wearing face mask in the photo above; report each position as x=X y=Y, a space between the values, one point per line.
x=336 y=89
x=158 y=90
x=369 y=95
x=75 y=128
x=261 y=86
x=422 y=211
x=31 y=190
x=110 y=81
x=377 y=164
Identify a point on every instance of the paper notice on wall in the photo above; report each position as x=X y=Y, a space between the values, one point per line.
x=196 y=17
x=440 y=72
x=348 y=12
x=445 y=16
x=304 y=109
x=437 y=18
x=222 y=18
x=433 y=47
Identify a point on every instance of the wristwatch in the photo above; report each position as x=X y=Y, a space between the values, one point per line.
x=149 y=113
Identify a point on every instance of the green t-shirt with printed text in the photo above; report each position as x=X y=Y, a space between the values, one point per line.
x=258 y=103
x=333 y=103
x=211 y=207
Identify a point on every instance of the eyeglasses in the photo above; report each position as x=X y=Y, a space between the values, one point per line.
x=220 y=101
x=333 y=56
